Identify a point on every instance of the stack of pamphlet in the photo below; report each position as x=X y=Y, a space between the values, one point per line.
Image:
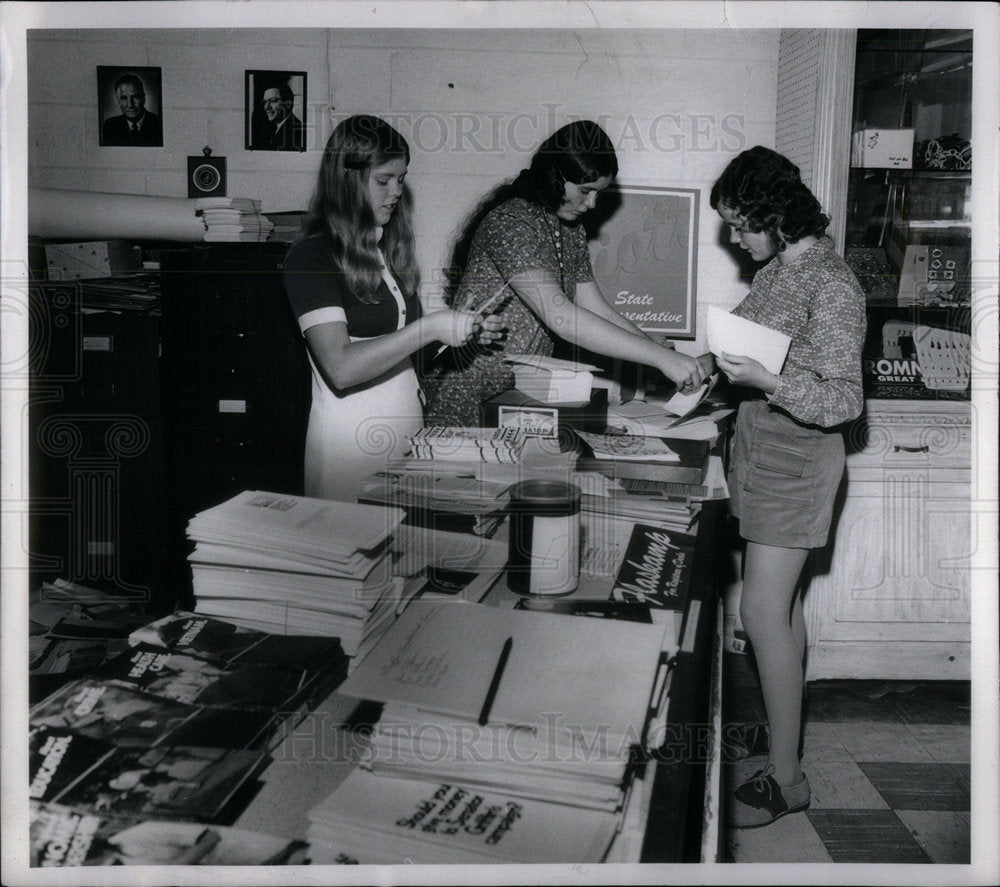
x=468 y=444
x=493 y=717
x=92 y=802
x=287 y=225
x=659 y=503
x=294 y=565
x=440 y=495
x=440 y=565
x=106 y=710
x=233 y=219
x=376 y=820
x=646 y=458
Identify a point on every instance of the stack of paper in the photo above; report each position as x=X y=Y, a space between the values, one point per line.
x=497 y=724
x=233 y=219
x=530 y=704
x=650 y=418
x=294 y=565
x=551 y=380
x=124 y=292
x=371 y=819
x=287 y=225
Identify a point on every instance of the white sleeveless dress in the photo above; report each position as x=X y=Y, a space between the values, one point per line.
x=352 y=434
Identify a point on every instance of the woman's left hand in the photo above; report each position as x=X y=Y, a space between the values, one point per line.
x=746 y=371
x=490 y=330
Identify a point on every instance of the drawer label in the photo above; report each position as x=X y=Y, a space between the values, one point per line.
x=97 y=343
x=232 y=406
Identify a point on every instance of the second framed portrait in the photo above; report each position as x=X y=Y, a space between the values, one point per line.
x=275 y=111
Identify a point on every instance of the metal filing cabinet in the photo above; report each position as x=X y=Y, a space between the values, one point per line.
x=95 y=445
x=234 y=382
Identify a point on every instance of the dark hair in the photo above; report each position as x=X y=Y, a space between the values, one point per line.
x=130 y=79
x=578 y=152
x=340 y=209
x=764 y=188
x=284 y=91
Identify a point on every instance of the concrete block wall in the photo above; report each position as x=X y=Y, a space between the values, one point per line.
x=473 y=103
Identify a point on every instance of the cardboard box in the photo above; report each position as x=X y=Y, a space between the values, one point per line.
x=98 y=258
x=883 y=148
x=545 y=419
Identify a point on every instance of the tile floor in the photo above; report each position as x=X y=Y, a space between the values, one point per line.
x=888 y=762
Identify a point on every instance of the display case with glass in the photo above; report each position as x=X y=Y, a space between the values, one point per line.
x=908 y=226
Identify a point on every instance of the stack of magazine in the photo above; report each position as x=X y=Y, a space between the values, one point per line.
x=61 y=835
x=504 y=735
x=172 y=732
x=294 y=565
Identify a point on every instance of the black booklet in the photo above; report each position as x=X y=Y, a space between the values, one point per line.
x=182 y=677
x=126 y=717
x=223 y=642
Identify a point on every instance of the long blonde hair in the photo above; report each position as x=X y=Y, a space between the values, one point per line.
x=340 y=209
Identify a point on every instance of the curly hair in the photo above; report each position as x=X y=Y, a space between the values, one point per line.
x=339 y=207
x=764 y=188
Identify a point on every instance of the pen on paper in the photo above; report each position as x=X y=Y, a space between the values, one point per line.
x=491 y=693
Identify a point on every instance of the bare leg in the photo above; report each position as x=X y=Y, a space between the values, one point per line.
x=766 y=608
x=798 y=623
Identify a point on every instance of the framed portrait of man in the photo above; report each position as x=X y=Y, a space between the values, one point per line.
x=276 y=110
x=130 y=102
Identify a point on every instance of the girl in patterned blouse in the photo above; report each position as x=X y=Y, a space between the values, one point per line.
x=788 y=450
x=529 y=252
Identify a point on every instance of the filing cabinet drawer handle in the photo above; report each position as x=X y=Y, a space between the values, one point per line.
x=923 y=449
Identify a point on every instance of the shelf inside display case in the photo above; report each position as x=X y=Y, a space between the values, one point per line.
x=908 y=226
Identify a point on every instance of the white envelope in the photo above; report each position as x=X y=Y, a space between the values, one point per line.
x=739 y=336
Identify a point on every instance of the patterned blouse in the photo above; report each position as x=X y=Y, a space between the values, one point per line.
x=515 y=237
x=815 y=299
